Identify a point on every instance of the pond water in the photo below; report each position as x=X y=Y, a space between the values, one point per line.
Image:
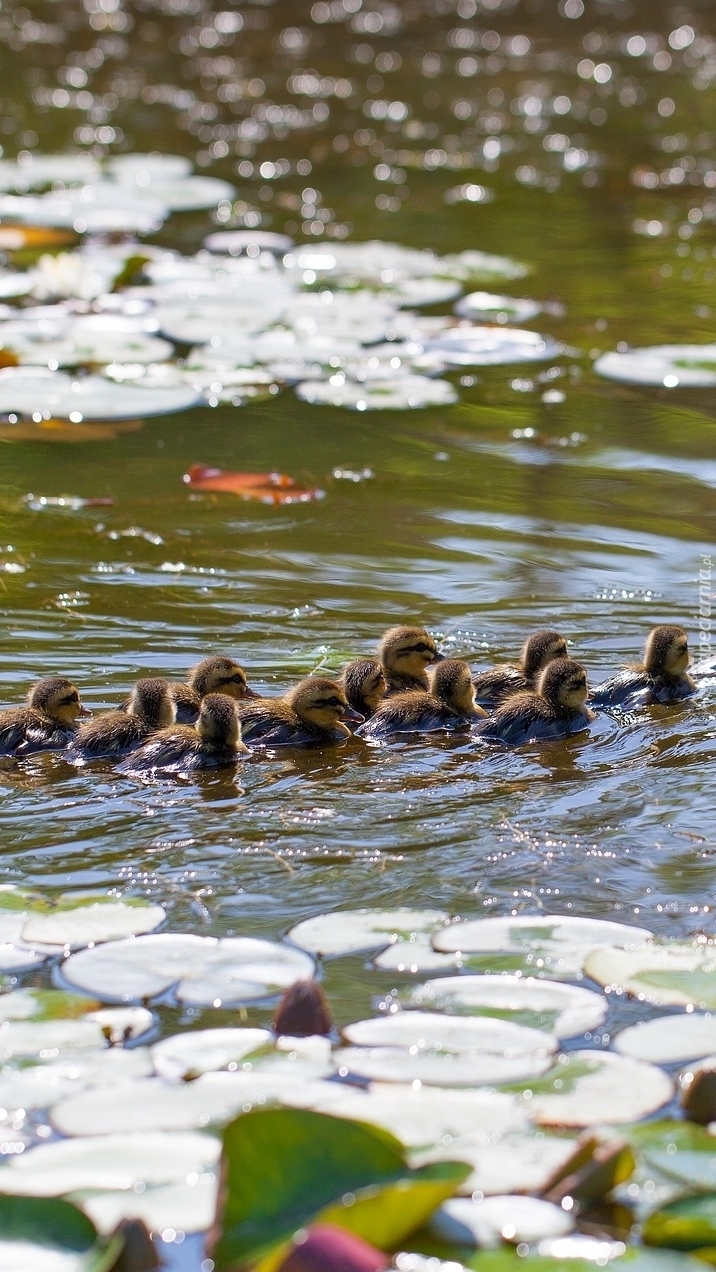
x=580 y=141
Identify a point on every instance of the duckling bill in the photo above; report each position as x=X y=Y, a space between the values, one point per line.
x=660 y=678
x=315 y=712
x=215 y=742
x=556 y=710
x=48 y=722
x=449 y=705
x=498 y=683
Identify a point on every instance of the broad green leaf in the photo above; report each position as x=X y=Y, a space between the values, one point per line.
x=56 y=1228
x=685 y=1224
x=284 y=1168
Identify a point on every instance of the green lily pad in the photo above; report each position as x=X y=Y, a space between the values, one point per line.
x=352 y=931
x=564 y=1010
x=588 y=1088
x=685 y=1224
x=39 y=1234
x=554 y=945
x=304 y=1167
x=679 y=974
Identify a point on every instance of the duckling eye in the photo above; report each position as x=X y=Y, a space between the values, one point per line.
x=422 y=648
x=235 y=680
x=71 y=697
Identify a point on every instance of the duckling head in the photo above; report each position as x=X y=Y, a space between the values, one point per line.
x=219 y=674
x=541 y=648
x=363 y=681
x=151 y=700
x=218 y=724
x=407 y=651
x=666 y=652
x=57 y=698
x=451 y=681
x=322 y=705
x=563 y=684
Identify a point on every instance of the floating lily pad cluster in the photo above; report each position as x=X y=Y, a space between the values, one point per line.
x=498 y=1064
x=147 y=331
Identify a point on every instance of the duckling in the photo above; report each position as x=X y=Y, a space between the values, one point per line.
x=216 y=674
x=404 y=653
x=215 y=742
x=363 y=683
x=498 y=683
x=151 y=707
x=556 y=710
x=314 y=711
x=661 y=677
x=47 y=723
x=450 y=704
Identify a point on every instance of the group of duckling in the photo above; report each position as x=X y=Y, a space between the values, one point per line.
x=407 y=688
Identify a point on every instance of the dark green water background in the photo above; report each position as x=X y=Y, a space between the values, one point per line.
x=595 y=521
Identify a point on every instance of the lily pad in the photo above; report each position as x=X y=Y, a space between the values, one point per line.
x=71 y=926
x=236 y=242
x=516 y=1163
x=152 y=1104
x=414 y=957
x=499 y=1218
x=302 y=1166
x=431 y=1031
x=184 y=1207
x=492 y=308
x=353 y=931
x=49 y=1235
x=99 y=207
x=685 y=1224
x=198 y=970
x=38 y=1086
x=120 y=1161
x=669 y=1040
x=476 y=346
x=669 y=366
x=138 y=167
x=564 y=1010
x=33 y=170
x=679 y=974
x=419 y=1117
x=205 y=1050
x=466 y=1067
x=554 y=944
x=408 y=392
x=587 y=1088
x=33 y=390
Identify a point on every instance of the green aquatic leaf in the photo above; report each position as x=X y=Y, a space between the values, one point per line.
x=694 y=1168
x=284 y=1168
x=52 y=1224
x=685 y=1224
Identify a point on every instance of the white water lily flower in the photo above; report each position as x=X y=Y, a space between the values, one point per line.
x=70 y=275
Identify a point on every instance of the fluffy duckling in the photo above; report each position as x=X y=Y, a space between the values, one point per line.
x=314 y=711
x=498 y=683
x=150 y=708
x=215 y=742
x=450 y=704
x=661 y=677
x=554 y=711
x=404 y=653
x=363 y=683
x=48 y=721
x=217 y=674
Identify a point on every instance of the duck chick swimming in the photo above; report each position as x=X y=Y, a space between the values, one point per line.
x=313 y=712
x=363 y=683
x=404 y=653
x=450 y=704
x=556 y=710
x=497 y=683
x=48 y=721
x=215 y=742
x=216 y=674
x=661 y=677
x=150 y=708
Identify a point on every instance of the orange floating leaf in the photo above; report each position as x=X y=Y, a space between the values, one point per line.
x=16 y=238
x=271 y=488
